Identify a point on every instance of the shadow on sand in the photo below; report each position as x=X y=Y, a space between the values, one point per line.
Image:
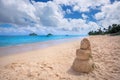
x=72 y=72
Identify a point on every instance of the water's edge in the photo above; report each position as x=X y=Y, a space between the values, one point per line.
x=6 y=41
x=4 y=51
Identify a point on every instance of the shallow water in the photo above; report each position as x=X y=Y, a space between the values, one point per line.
x=20 y=48
x=17 y=40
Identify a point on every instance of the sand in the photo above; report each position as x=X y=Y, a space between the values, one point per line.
x=54 y=63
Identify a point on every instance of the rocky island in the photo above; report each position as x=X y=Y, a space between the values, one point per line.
x=32 y=34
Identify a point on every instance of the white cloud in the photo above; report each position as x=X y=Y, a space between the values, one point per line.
x=76 y=8
x=68 y=11
x=109 y=14
x=80 y=26
x=49 y=17
x=82 y=5
x=93 y=26
x=50 y=14
x=16 y=12
x=84 y=16
x=99 y=16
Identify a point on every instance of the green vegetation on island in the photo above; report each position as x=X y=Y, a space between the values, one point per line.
x=49 y=34
x=32 y=34
x=113 y=29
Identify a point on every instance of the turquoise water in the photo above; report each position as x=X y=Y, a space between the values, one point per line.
x=17 y=40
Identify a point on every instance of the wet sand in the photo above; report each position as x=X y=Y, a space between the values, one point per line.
x=21 y=48
x=54 y=62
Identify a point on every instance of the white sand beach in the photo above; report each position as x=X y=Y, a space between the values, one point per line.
x=54 y=62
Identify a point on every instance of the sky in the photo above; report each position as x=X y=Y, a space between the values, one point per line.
x=59 y=17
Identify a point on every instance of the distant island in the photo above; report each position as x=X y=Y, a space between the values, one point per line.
x=49 y=34
x=66 y=35
x=32 y=34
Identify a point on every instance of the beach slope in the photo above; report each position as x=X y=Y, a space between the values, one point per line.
x=54 y=63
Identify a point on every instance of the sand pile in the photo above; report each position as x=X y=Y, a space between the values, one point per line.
x=83 y=62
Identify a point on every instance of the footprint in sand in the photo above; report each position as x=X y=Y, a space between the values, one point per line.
x=14 y=65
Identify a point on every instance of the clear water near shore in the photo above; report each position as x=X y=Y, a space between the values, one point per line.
x=17 y=40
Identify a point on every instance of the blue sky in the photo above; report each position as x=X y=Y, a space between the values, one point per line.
x=57 y=16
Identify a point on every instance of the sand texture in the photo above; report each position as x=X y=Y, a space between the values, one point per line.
x=54 y=63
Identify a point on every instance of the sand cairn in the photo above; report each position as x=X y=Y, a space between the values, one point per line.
x=83 y=61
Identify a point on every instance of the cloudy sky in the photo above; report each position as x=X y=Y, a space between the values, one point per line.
x=21 y=17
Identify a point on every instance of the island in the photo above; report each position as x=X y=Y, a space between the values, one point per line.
x=66 y=35
x=49 y=34
x=32 y=34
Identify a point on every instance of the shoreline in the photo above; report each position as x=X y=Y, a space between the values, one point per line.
x=8 y=41
x=16 y=49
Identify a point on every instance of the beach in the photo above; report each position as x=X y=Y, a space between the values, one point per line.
x=54 y=62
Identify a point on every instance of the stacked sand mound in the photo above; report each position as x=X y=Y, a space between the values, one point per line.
x=83 y=62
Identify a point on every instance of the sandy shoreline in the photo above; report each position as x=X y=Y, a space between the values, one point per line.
x=54 y=63
x=16 y=49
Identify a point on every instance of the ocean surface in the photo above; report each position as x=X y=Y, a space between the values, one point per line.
x=19 y=40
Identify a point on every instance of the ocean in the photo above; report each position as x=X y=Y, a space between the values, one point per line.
x=18 y=40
